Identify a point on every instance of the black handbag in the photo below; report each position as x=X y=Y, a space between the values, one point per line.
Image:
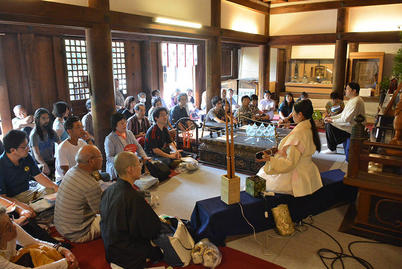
x=158 y=169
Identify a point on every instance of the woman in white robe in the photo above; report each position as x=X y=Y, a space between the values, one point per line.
x=291 y=170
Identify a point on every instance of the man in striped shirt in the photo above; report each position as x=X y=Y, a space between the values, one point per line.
x=76 y=214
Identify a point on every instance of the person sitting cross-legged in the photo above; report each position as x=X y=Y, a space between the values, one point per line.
x=76 y=214
x=22 y=120
x=67 y=150
x=158 y=143
x=120 y=139
x=11 y=235
x=17 y=169
x=87 y=120
x=338 y=128
x=216 y=113
x=128 y=223
x=139 y=124
x=244 y=114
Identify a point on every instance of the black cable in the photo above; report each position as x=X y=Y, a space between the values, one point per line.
x=335 y=256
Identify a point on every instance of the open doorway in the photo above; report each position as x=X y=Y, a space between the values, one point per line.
x=179 y=63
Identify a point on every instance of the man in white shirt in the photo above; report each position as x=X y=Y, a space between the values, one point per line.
x=22 y=120
x=339 y=127
x=267 y=105
x=66 y=151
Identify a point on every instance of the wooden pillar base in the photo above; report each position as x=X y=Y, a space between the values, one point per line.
x=230 y=189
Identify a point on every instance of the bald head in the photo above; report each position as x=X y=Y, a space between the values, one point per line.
x=123 y=160
x=87 y=153
x=19 y=111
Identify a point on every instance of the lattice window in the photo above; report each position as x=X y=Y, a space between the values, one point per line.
x=119 y=65
x=77 y=69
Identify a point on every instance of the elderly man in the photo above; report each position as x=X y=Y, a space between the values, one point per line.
x=17 y=169
x=128 y=221
x=67 y=150
x=77 y=204
x=22 y=120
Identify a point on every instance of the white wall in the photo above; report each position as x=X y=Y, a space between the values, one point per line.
x=311 y=22
x=390 y=52
x=190 y=10
x=249 y=62
x=375 y=18
x=313 y=52
x=71 y=2
x=239 y=18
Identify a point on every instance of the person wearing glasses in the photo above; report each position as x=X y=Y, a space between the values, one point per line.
x=76 y=213
x=18 y=168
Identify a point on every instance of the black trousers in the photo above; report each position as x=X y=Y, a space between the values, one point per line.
x=335 y=136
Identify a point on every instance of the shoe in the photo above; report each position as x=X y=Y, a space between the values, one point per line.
x=328 y=151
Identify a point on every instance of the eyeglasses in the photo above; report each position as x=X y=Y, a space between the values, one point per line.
x=24 y=147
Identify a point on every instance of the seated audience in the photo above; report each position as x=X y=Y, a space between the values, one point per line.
x=231 y=99
x=118 y=96
x=76 y=213
x=244 y=114
x=87 y=120
x=303 y=96
x=12 y=234
x=61 y=112
x=156 y=102
x=120 y=139
x=158 y=142
x=256 y=112
x=174 y=98
x=285 y=109
x=216 y=113
x=43 y=140
x=139 y=124
x=67 y=150
x=128 y=109
x=190 y=95
x=291 y=170
x=267 y=105
x=22 y=120
x=128 y=222
x=339 y=127
x=157 y=94
x=142 y=98
x=180 y=111
x=17 y=169
x=335 y=106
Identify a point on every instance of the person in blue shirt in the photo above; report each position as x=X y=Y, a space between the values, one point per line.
x=285 y=109
x=17 y=169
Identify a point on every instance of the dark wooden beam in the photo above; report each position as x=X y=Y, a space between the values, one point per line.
x=339 y=74
x=252 y=5
x=330 y=5
x=99 y=46
x=373 y=37
x=264 y=70
x=302 y=39
x=43 y=12
x=241 y=37
x=216 y=13
x=5 y=112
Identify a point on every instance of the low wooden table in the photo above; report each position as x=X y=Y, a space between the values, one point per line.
x=212 y=150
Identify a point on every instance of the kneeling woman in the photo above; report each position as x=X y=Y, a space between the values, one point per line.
x=291 y=170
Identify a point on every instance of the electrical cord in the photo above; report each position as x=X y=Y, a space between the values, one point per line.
x=334 y=256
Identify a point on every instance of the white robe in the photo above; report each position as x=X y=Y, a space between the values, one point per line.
x=291 y=170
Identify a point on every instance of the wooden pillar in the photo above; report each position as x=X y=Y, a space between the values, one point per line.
x=214 y=54
x=339 y=74
x=264 y=63
x=200 y=85
x=264 y=70
x=5 y=113
x=99 y=45
x=146 y=69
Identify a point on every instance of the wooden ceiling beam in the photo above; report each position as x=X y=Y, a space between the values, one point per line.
x=252 y=5
x=302 y=39
x=241 y=37
x=329 y=5
x=43 y=12
x=373 y=37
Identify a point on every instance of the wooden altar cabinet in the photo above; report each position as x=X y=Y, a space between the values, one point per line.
x=378 y=212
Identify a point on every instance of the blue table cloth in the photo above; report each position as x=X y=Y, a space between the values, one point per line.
x=213 y=219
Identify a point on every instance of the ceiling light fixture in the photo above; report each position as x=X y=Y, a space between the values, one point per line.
x=178 y=22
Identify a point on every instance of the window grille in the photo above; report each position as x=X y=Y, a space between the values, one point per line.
x=119 y=65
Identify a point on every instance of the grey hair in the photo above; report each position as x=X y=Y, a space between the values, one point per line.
x=85 y=153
